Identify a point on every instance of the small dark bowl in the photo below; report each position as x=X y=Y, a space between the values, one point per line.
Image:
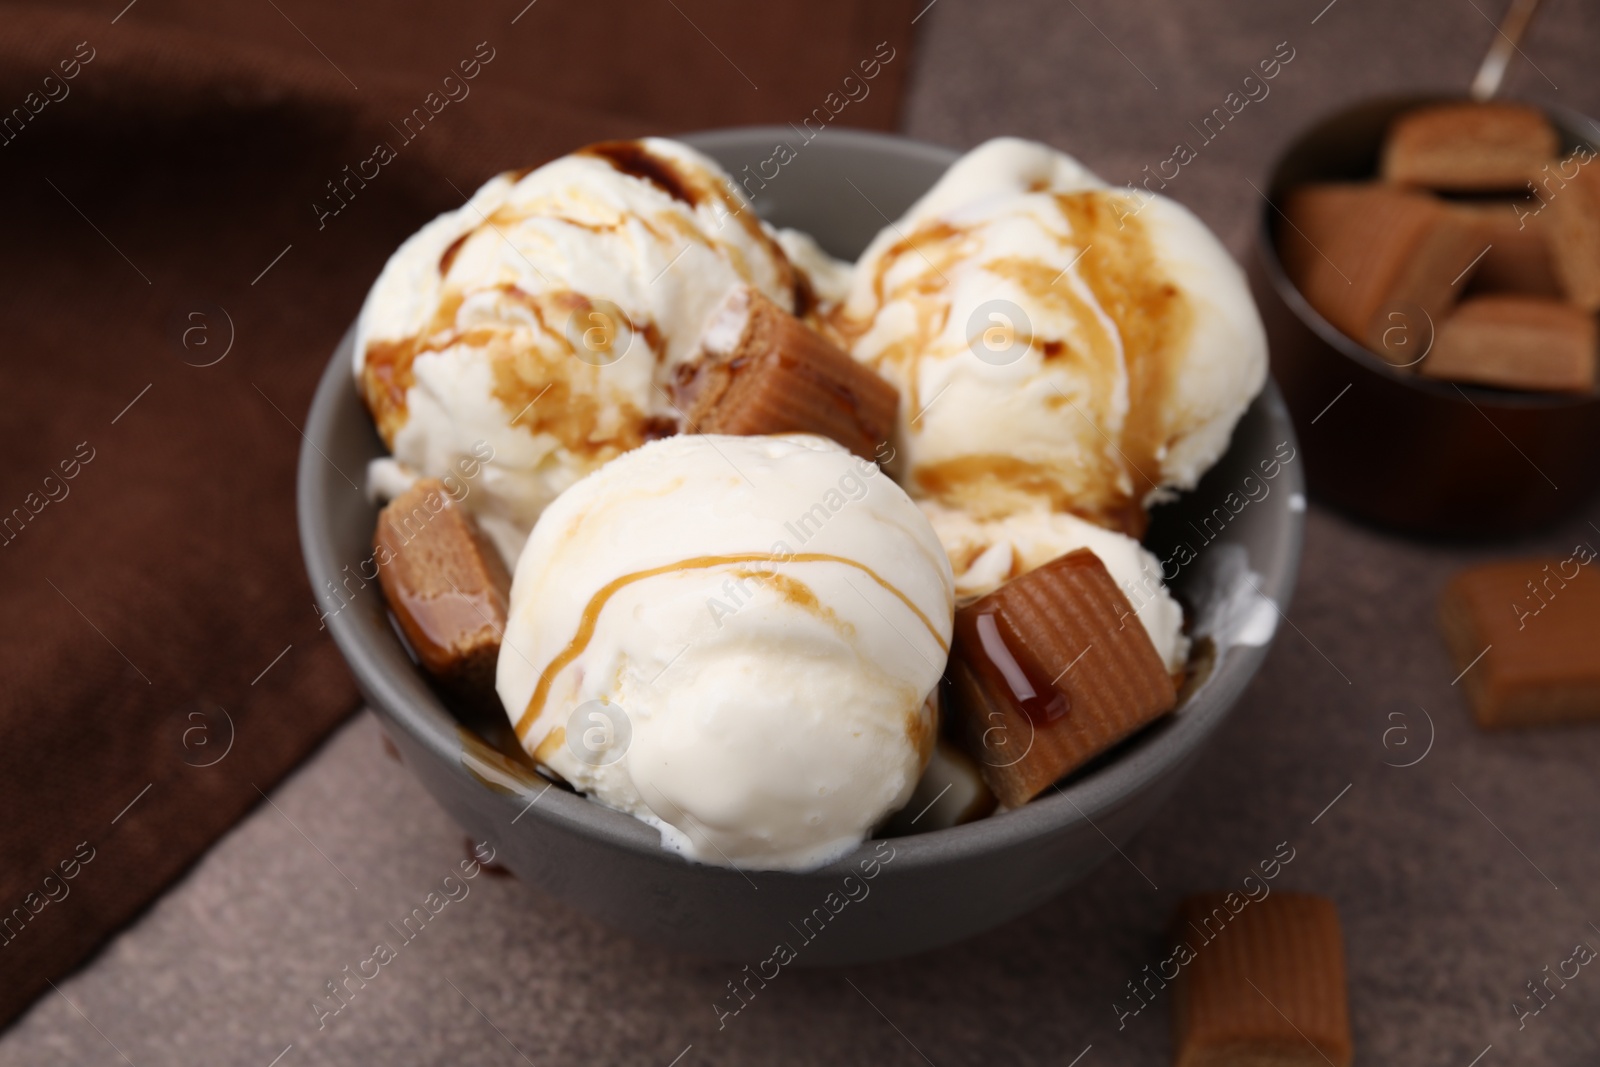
x=1424 y=456
x=928 y=889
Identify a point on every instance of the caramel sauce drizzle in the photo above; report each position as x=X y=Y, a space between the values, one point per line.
x=591 y=612
x=449 y=256
x=945 y=479
x=572 y=415
x=1140 y=327
x=939 y=244
x=387 y=372
x=635 y=160
x=984 y=640
x=1152 y=315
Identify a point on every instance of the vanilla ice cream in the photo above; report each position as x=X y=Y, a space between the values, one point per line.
x=1057 y=344
x=987 y=553
x=734 y=639
x=540 y=322
x=829 y=278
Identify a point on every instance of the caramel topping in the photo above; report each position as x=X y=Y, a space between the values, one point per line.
x=992 y=485
x=1153 y=318
x=636 y=161
x=386 y=372
x=984 y=634
x=969 y=476
x=795 y=592
x=449 y=256
x=550 y=745
x=939 y=246
x=922 y=729
x=541 y=388
x=790 y=589
x=501 y=769
x=1140 y=328
x=805 y=297
x=591 y=612
x=443 y=623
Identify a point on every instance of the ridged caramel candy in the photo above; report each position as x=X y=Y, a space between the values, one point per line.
x=446 y=585
x=1573 y=227
x=1268 y=990
x=1519 y=258
x=1526 y=634
x=1516 y=342
x=1468 y=147
x=1362 y=253
x=760 y=370
x=1049 y=671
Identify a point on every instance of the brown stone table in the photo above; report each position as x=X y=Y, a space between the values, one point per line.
x=1458 y=878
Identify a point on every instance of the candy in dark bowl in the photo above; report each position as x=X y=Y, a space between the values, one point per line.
x=1428 y=270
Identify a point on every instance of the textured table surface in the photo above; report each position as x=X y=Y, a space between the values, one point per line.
x=1458 y=879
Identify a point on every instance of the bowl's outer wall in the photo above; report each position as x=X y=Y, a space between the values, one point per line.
x=1417 y=454
x=929 y=890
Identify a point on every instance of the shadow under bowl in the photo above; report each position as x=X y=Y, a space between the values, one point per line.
x=1417 y=454
x=904 y=894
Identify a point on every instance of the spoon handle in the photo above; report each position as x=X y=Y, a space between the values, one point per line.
x=1493 y=68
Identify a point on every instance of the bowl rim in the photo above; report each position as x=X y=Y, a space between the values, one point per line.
x=1566 y=121
x=413 y=707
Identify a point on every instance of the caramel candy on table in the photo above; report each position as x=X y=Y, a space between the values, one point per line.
x=1468 y=147
x=760 y=370
x=1519 y=258
x=446 y=585
x=1359 y=252
x=1265 y=986
x=1516 y=342
x=1539 y=620
x=1049 y=671
x=1574 y=232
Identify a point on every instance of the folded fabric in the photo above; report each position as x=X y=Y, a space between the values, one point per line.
x=184 y=245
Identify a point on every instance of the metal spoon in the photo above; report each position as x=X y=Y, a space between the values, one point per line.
x=1507 y=34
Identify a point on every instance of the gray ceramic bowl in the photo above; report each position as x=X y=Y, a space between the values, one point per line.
x=929 y=889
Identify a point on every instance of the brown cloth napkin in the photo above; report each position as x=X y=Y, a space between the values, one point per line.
x=182 y=248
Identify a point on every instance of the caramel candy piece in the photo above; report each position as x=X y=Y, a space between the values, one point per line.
x=1573 y=213
x=1518 y=259
x=761 y=370
x=1516 y=342
x=1049 y=671
x=1539 y=620
x=1468 y=147
x=1360 y=252
x=1265 y=985
x=446 y=585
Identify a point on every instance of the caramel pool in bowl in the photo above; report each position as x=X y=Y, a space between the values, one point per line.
x=1386 y=444
x=904 y=894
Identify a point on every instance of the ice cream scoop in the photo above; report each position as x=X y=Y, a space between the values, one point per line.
x=1057 y=344
x=987 y=553
x=734 y=639
x=539 y=322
